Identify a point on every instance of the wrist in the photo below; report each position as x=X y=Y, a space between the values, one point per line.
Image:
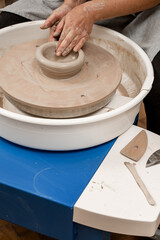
x=94 y=10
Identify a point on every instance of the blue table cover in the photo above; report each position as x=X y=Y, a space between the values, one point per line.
x=38 y=189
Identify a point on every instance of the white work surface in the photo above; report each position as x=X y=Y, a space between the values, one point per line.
x=112 y=201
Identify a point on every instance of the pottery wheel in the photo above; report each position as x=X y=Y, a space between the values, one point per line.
x=24 y=84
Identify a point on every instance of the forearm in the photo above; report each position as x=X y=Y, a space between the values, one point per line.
x=104 y=9
x=74 y=3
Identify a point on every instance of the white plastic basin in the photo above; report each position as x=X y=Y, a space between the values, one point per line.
x=84 y=132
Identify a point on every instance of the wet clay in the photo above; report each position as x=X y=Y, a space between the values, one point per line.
x=25 y=85
x=50 y=55
x=58 y=67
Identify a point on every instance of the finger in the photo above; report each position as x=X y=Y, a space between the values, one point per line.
x=74 y=41
x=71 y=46
x=80 y=44
x=51 y=37
x=59 y=28
x=65 y=43
x=49 y=21
x=63 y=35
x=51 y=34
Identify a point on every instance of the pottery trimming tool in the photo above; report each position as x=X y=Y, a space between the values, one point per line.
x=154 y=159
x=136 y=147
x=132 y=168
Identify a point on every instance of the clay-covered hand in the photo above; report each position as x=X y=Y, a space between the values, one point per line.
x=55 y=19
x=75 y=29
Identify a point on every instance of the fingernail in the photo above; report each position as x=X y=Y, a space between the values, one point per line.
x=58 y=54
x=55 y=34
x=64 y=53
x=44 y=26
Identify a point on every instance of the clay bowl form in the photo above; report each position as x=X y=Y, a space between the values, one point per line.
x=88 y=131
x=58 y=67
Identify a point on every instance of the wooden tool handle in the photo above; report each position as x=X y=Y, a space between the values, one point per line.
x=132 y=169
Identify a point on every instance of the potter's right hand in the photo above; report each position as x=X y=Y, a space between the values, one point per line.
x=55 y=19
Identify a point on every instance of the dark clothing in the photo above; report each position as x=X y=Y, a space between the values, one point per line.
x=152 y=100
x=8 y=19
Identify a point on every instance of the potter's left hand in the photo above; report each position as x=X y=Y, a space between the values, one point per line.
x=55 y=18
x=75 y=29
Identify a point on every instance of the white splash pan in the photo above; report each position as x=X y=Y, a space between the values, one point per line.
x=84 y=132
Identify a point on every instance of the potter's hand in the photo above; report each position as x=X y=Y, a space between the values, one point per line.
x=75 y=29
x=55 y=18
